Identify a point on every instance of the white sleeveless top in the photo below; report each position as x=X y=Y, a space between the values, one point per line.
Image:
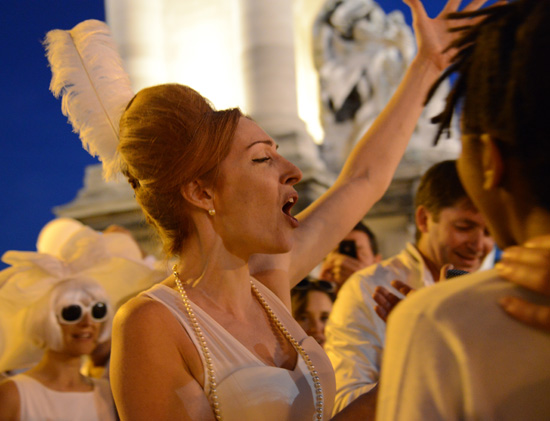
x=248 y=389
x=38 y=403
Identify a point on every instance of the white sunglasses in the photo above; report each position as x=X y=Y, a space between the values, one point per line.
x=74 y=313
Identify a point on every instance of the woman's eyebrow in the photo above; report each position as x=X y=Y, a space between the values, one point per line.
x=267 y=142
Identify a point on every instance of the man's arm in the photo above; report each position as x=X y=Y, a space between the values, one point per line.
x=355 y=339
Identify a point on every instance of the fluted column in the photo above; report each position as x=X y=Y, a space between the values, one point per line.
x=137 y=26
x=269 y=69
x=268 y=64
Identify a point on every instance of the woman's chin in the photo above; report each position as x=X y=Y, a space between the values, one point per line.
x=320 y=340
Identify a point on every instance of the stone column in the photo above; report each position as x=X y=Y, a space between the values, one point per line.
x=137 y=26
x=269 y=68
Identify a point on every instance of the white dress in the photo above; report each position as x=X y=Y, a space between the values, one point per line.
x=248 y=389
x=39 y=403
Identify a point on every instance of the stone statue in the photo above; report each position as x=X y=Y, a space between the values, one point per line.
x=361 y=53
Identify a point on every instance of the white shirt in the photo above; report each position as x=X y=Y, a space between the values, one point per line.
x=453 y=354
x=355 y=333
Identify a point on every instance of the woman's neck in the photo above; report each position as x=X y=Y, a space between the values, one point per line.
x=214 y=277
x=60 y=371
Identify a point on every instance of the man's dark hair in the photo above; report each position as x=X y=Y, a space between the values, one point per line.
x=503 y=85
x=372 y=238
x=439 y=188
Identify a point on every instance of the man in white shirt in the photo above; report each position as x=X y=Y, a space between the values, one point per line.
x=449 y=230
x=451 y=352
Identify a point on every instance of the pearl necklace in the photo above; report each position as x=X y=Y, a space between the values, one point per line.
x=214 y=401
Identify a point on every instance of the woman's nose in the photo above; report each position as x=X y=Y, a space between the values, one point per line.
x=291 y=173
x=86 y=320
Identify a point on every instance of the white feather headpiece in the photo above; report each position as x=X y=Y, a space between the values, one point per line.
x=88 y=73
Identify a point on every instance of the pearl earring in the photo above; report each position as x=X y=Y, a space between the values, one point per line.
x=211 y=212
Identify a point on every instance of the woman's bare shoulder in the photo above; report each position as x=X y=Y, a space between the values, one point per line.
x=9 y=400
x=144 y=314
x=152 y=357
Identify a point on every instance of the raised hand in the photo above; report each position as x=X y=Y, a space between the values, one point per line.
x=338 y=267
x=432 y=35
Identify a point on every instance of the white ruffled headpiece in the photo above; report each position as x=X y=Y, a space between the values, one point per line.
x=113 y=260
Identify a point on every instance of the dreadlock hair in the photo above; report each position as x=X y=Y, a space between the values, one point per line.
x=503 y=86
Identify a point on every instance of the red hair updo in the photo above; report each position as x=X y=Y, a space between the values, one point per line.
x=171 y=135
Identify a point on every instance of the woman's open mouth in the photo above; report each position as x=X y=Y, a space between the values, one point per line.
x=286 y=210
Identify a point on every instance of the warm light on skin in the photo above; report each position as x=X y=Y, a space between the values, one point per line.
x=471 y=172
x=254 y=185
x=315 y=316
x=80 y=338
x=459 y=236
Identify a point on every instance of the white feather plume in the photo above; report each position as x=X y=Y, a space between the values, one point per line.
x=88 y=73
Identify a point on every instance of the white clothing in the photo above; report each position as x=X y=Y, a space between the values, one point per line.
x=453 y=354
x=39 y=403
x=355 y=333
x=248 y=389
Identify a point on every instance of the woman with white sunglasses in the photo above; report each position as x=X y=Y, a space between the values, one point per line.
x=56 y=308
x=68 y=323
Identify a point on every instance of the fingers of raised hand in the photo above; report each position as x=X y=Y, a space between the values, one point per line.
x=474 y=5
x=451 y=6
x=416 y=6
x=351 y=264
x=529 y=313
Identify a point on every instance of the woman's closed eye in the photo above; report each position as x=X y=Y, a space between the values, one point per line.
x=260 y=160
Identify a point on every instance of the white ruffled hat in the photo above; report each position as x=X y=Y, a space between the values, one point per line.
x=114 y=260
x=55 y=234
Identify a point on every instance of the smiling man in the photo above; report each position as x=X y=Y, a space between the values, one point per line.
x=449 y=229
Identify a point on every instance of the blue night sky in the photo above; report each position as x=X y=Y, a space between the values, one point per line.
x=42 y=160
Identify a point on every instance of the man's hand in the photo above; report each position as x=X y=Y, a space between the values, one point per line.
x=528 y=266
x=338 y=267
x=386 y=300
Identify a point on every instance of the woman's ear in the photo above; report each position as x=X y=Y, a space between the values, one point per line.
x=197 y=194
x=493 y=165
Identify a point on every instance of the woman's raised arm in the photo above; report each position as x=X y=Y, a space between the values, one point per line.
x=371 y=165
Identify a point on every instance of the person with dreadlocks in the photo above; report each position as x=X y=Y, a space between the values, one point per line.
x=451 y=352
